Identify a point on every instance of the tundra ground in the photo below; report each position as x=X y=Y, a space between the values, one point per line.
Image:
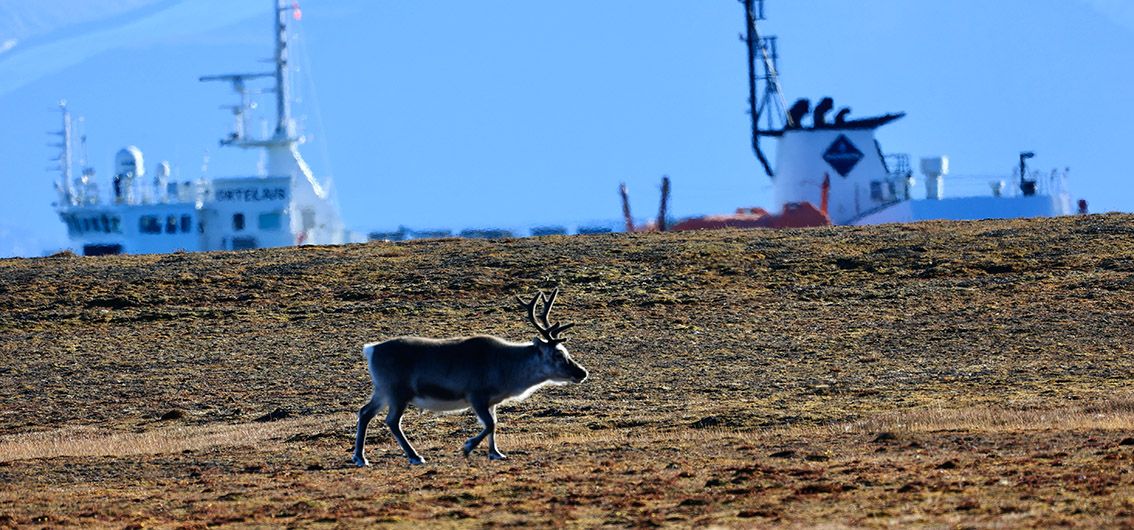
x=939 y=374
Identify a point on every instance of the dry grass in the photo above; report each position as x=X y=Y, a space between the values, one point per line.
x=935 y=375
x=926 y=468
x=88 y=441
x=1115 y=415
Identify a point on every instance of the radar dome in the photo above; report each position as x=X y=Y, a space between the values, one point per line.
x=128 y=161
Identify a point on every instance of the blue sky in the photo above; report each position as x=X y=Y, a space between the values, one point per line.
x=476 y=114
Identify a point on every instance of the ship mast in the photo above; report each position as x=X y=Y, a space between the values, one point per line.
x=66 y=188
x=283 y=102
x=765 y=96
x=283 y=136
x=282 y=147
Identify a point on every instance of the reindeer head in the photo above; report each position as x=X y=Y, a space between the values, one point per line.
x=561 y=368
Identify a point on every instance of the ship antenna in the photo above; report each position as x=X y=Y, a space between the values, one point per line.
x=765 y=95
x=66 y=187
x=83 y=154
x=239 y=83
x=283 y=104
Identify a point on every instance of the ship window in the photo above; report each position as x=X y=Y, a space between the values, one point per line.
x=149 y=224
x=186 y=223
x=270 y=221
x=171 y=224
x=876 y=191
x=238 y=221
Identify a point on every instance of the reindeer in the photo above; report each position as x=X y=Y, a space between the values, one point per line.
x=450 y=375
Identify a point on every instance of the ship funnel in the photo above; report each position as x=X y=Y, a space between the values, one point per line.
x=935 y=169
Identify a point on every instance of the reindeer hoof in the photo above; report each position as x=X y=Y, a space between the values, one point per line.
x=361 y=461
x=497 y=456
x=416 y=460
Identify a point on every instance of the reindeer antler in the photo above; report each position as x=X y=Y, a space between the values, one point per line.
x=549 y=331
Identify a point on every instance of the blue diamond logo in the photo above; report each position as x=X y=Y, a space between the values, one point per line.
x=843 y=155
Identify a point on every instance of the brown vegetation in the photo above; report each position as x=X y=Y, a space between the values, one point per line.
x=919 y=375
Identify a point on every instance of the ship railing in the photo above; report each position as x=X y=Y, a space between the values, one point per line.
x=1053 y=183
x=89 y=194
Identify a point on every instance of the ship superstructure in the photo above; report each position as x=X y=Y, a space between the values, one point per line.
x=824 y=156
x=283 y=204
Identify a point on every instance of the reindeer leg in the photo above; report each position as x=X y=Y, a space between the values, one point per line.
x=493 y=453
x=487 y=417
x=365 y=414
x=394 y=422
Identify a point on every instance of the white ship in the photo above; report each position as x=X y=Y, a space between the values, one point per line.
x=824 y=157
x=284 y=205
